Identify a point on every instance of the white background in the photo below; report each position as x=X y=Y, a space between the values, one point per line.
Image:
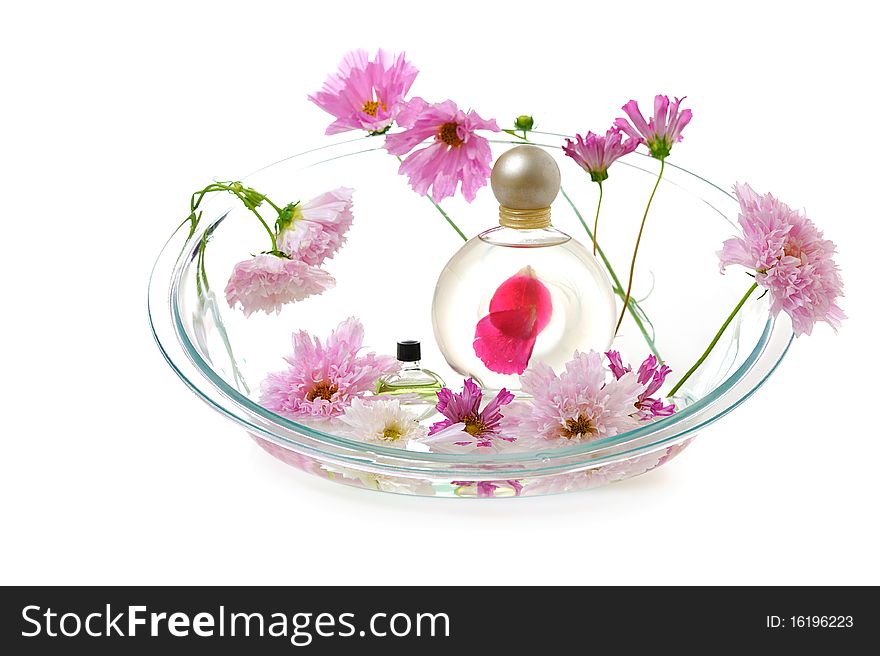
x=112 y=472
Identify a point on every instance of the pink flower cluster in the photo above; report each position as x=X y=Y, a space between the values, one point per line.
x=456 y=154
x=465 y=424
x=660 y=132
x=366 y=95
x=317 y=228
x=595 y=154
x=790 y=258
x=309 y=234
x=322 y=379
x=371 y=95
x=582 y=404
x=651 y=376
x=268 y=282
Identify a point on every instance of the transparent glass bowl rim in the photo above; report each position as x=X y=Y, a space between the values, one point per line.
x=165 y=286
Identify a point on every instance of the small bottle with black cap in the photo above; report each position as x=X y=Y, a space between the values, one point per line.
x=416 y=387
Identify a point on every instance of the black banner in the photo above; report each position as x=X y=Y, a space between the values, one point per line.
x=422 y=620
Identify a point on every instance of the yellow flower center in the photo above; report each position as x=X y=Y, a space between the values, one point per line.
x=448 y=134
x=322 y=390
x=391 y=433
x=580 y=427
x=371 y=107
x=473 y=426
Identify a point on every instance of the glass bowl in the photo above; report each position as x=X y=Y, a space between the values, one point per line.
x=397 y=247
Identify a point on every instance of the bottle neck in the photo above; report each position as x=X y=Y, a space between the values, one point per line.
x=524 y=219
x=410 y=365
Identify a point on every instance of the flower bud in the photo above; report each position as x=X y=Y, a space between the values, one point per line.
x=524 y=122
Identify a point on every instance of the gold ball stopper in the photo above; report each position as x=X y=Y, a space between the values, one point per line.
x=526 y=178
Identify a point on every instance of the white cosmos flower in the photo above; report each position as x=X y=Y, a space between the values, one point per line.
x=382 y=421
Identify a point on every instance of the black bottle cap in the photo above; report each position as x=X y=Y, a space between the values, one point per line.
x=409 y=350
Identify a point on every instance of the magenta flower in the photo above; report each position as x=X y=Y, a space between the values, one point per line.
x=579 y=404
x=456 y=155
x=661 y=131
x=790 y=258
x=519 y=310
x=315 y=230
x=322 y=379
x=366 y=95
x=594 y=154
x=651 y=376
x=465 y=424
x=268 y=282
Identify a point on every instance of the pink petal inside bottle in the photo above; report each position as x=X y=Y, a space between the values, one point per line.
x=519 y=310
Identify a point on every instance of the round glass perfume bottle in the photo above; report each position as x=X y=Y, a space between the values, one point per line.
x=522 y=292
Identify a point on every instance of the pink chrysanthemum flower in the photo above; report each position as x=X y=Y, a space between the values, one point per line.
x=268 y=282
x=594 y=154
x=661 y=131
x=790 y=258
x=651 y=376
x=466 y=426
x=579 y=404
x=456 y=155
x=315 y=230
x=366 y=95
x=322 y=379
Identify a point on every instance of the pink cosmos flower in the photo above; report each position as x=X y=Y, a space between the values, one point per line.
x=661 y=131
x=519 y=310
x=579 y=404
x=316 y=230
x=322 y=379
x=366 y=95
x=466 y=426
x=790 y=259
x=456 y=155
x=594 y=154
x=268 y=282
x=651 y=376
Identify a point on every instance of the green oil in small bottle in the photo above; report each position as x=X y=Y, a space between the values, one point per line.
x=417 y=387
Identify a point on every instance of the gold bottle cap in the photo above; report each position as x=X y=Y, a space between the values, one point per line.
x=525 y=181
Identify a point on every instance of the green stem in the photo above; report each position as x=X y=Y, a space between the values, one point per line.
x=442 y=211
x=262 y=220
x=618 y=288
x=446 y=216
x=194 y=203
x=203 y=247
x=274 y=206
x=199 y=290
x=715 y=340
x=596 y=221
x=632 y=266
x=631 y=303
x=197 y=197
